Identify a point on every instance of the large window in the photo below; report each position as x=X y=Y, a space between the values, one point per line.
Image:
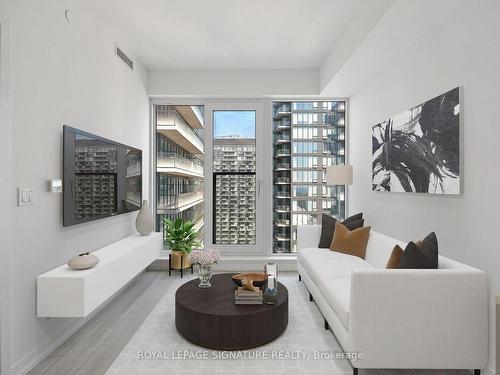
x=253 y=171
x=235 y=184
x=314 y=132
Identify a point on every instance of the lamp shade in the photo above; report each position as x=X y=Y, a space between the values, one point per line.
x=339 y=175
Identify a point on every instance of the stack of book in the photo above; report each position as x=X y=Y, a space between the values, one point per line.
x=247 y=297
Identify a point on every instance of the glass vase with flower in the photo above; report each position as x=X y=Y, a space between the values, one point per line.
x=205 y=260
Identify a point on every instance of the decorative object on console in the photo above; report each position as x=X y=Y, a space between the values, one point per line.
x=248 y=284
x=180 y=237
x=421 y=254
x=83 y=261
x=205 y=259
x=243 y=296
x=418 y=150
x=350 y=242
x=271 y=287
x=258 y=278
x=204 y=274
x=395 y=258
x=328 y=227
x=144 y=221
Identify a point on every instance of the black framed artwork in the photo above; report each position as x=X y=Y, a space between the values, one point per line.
x=418 y=151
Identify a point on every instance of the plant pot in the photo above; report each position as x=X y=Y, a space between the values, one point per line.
x=175 y=259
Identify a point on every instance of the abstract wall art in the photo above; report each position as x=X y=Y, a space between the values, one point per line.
x=418 y=151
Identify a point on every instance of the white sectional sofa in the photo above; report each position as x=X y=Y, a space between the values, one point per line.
x=397 y=318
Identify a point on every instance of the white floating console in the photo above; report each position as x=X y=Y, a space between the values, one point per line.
x=63 y=292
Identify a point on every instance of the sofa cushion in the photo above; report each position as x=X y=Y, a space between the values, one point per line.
x=379 y=248
x=337 y=294
x=350 y=242
x=422 y=256
x=429 y=247
x=395 y=258
x=323 y=264
x=328 y=227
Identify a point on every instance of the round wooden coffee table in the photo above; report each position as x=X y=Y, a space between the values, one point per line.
x=209 y=317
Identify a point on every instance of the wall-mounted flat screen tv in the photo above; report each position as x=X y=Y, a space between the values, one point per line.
x=101 y=178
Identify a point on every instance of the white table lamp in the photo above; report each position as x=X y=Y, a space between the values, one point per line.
x=340 y=175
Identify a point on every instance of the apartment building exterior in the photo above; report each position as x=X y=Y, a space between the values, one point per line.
x=308 y=137
x=179 y=164
x=234 y=190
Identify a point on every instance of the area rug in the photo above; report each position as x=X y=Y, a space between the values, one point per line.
x=304 y=348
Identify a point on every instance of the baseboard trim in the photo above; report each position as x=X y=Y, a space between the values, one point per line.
x=237 y=264
x=489 y=371
x=43 y=350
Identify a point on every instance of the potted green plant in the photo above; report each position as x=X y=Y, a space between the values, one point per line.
x=180 y=237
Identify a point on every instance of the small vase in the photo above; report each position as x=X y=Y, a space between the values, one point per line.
x=144 y=221
x=204 y=274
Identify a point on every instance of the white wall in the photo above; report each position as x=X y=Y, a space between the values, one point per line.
x=456 y=43
x=60 y=74
x=360 y=25
x=5 y=206
x=233 y=83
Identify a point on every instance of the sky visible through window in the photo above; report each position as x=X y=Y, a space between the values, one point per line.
x=234 y=124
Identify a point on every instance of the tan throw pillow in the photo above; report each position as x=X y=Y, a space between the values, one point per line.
x=395 y=257
x=350 y=242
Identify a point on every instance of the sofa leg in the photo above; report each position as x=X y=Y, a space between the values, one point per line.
x=327 y=327
x=354 y=371
x=311 y=297
x=477 y=372
x=300 y=278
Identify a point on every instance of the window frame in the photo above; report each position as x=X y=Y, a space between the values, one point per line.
x=266 y=133
x=259 y=247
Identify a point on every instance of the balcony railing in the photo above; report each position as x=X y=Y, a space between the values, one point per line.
x=282 y=126
x=172 y=160
x=281 y=249
x=282 y=166
x=282 y=222
x=197 y=222
x=282 y=152
x=170 y=120
x=282 y=138
x=180 y=201
x=193 y=214
x=281 y=208
x=282 y=180
x=282 y=194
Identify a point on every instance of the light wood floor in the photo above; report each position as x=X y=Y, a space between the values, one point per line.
x=95 y=346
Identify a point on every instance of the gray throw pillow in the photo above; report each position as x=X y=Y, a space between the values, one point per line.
x=423 y=256
x=328 y=227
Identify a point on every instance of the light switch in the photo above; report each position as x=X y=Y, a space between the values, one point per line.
x=55 y=185
x=26 y=197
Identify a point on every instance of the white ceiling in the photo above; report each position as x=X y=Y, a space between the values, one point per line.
x=230 y=34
